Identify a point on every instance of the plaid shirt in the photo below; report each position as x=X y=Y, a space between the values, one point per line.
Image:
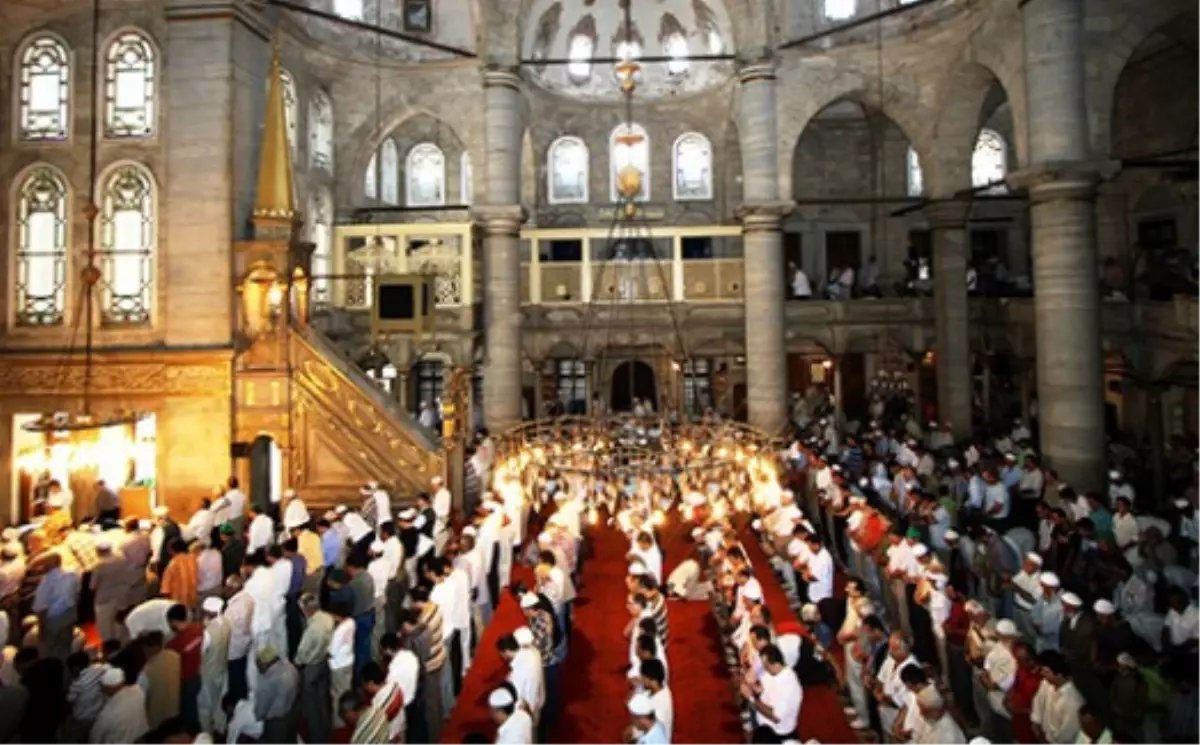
x=542 y=627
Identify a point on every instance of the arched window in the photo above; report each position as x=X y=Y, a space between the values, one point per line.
x=320 y=209
x=128 y=218
x=693 y=167
x=130 y=79
x=629 y=146
x=291 y=110
x=676 y=48
x=916 y=180
x=44 y=98
x=389 y=172
x=580 y=52
x=425 y=176
x=41 y=220
x=989 y=161
x=320 y=131
x=371 y=178
x=349 y=9
x=466 y=185
x=568 y=174
x=840 y=10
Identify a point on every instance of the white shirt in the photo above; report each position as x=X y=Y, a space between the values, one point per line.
x=356 y=526
x=1057 y=712
x=889 y=678
x=525 y=674
x=150 y=615
x=945 y=731
x=341 y=646
x=1001 y=667
x=820 y=566
x=441 y=508
x=243 y=722
x=996 y=494
x=240 y=613
x=262 y=530
x=296 y=514
x=123 y=718
x=381 y=573
x=235 y=504
x=383 y=507
x=1032 y=481
x=460 y=585
x=782 y=692
x=1119 y=489
x=443 y=595
x=801 y=287
x=405 y=670
x=200 y=527
x=516 y=730
x=1184 y=626
x=281 y=572
x=1125 y=530
x=664 y=710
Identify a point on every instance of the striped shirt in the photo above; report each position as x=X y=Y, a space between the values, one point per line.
x=431 y=619
x=658 y=611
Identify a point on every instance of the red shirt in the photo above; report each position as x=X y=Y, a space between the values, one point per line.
x=873 y=530
x=189 y=645
x=959 y=623
x=1024 y=688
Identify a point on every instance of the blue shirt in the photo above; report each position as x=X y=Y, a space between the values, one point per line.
x=57 y=593
x=656 y=736
x=299 y=570
x=331 y=547
x=1012 y=476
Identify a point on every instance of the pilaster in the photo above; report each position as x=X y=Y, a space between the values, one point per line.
x=766 y=337
x=947 y=223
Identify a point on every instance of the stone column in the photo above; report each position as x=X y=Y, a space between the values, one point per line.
x=1061 y=186
x=501 y=218
x=947 y=225
x=766 y=343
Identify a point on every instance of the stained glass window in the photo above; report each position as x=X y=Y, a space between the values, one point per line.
x=389 y=173
x=840 y=10
x=677 y=49
x=127 y=241
x=320 y=131
x=693 y=167
x=45 y=90
x=466 y=186
x=130 y=77
x=568 y=171
x=989 y=162
x=425 y=176
x=349 y=9
x=916 y=179
x=580 y=52
x=636 y=154
x=320 y=209
x=41 y=222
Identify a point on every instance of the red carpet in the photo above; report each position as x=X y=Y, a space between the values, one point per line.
x=821 y=716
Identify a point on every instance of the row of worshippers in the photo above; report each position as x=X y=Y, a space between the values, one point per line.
x=1083 y=627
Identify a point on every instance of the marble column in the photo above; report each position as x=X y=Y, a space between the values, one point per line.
x=948 y=227
x=1061 y=185
x=766 y=342
x=501 y=216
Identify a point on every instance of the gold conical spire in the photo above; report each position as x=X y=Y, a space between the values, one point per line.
x=275 y=199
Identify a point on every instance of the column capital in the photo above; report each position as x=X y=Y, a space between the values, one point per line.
x=762 y=69
x=500 y=219
x=946 y=214
x=501 y=76
x=1056 y=180
x=763 y=216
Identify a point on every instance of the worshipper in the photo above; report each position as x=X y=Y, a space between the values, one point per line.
x=387 y=702
x=312 y=661
x=366 y=725
x=262 y=530
x=936 y=727
x=200 y=526
x=209 y=580
x=888 y=686
x=442 y=504
x=275 y=697
x=404 y=670
x=362 y=585
x=163 y=537
x=1077 y=638
x=644 y=727
x=776 y=696
x=1129 y=699
x=239 y=612
x=160 y=678
x=514 y=725
x=242 y=720
x=54 y=603
x=653 y=674
x=293 y=618
x=231 y=507
x=106 y=504
x=110 y=584
x=421 y=641
x=997 y=678
x=187 y=640
x=85 y=694
x=525 y=669
x=1181 y=630
x=1056 y=706
x=123 y=718
x=214 y=664
x=1019 y=700
x=180 y=578
x=342 y=652
x=1046 y=617
x=233 y=550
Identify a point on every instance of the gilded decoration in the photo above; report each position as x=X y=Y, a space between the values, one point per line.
x=115 y=379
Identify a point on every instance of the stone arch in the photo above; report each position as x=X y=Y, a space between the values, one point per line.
x=797 y=112
x=411 y=127
x=969 y=98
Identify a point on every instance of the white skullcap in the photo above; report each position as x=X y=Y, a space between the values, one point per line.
x=809 y=612
x=501 y=698
x=756 y=525
x=1114 y=474
x=858 y=723
x=529 y=600
x=637 y=569
x=161 y=511
x=1181 y=504
x=980 y=741
x=376 y=547
x=752 y=592
x=544 y=538
x=407 y=514
x=973 y=606
x=697 y=532
x=789 y=646
x=952 y=535
x=112 y=676
x=470 y=530
x=1104 y=607
x=103 y=545
x=523 y=636
x=437 y=481
x=1035 y=558
x=1126 y=660
x=837 y=468
x=929 y=698
x=145 y=525
x=1049 y=579
x=213 y=605
x=1007 y=628
x=289 y=493
x=341 y=509
x=330 y=515
x=203 y=739
x=1070 y=598
x=641 y=705
x=1009 y=456
x=787 y=495
x=920 y=550
x=56 y=501
x=952 y=463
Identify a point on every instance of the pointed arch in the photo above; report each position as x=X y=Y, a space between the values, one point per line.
x=567 y=176
x=635 y=152
x=128 y=241
x=425 y=176
x=389 y=172
x=692 y=161
x=41 y=225
x=43 y=82
x=131 y=75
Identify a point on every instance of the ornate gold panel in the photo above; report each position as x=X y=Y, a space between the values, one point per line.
x=116 y=379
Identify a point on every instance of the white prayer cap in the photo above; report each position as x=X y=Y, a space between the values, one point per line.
x=862 y=482
x=1009 y=456
x=213 y=605
x=641 y=705
x=980 y=741
x=161 y=511
x=637 y=569
x=1035 y=558
x=103 y=545
x=523 y=636
x=952 y=535
x=1049 y=579
x=1070 y=598
x=1104 y=607
x=437 y=481
x=752 y=592
x=920 y=550
x=203 y=739
x=341 y=509
x=697 y=533
x=837 y=468
x=1114 y=474
x=756 y=525
x=808 y=526
x=1007 y=628
x=501 y=698
x=973 y=606
x=145 y=525
x=330 y=515
x=112 y=676
x=470 y=530
x=856 y=520
x=289 y=493
x=544 y=538
x=529 y=600
x=929 y=698
x=809 y=612
x=787 y=495
x=952 y=463
x=858 y=724
x=407 y=514
x=1126 y=660
x=1181 y=504
x=377 y=547
x=789 y=646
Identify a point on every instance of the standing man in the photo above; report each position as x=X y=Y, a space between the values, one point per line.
x=312 y=658
x=188 y=642
x=275 y=697
x=442 y=504
x=232 y=506
x=214 y=664
x=54 y=603
x=110 y=589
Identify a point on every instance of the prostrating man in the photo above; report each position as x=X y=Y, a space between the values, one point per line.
x=514 y=725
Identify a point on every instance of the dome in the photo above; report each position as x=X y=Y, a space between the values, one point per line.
x=580 y=30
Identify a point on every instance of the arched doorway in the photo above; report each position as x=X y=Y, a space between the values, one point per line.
x=630 y=380
x=266 y=472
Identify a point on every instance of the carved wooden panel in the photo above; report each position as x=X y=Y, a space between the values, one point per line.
x=116 y=379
